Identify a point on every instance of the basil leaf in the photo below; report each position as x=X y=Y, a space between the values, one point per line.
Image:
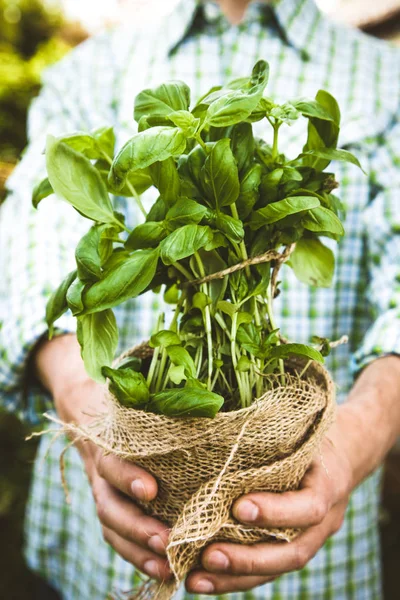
x=232 y=228
x=94 y=250
x=163 y=100
x=165 y=338
x=322 y=133
x=333 y=154
x=75 y=180
x=166 y=179
x=323 y=220
x=237 y=105
x=146 y=235
x=285 y=350
x=222 y=174
x=179 y=356
x=99 y=337
x=128 y=386
x=82 y=142
x=184 y=242
x=42 y=190
x=312 y=108
x=249 y=193
x=144 y=149
x=313 y=263
x=243 y=146
x=185 y=212
x=279 y=210
x=74 y=297
x=186 y=121
x=140 y=180
x=126 y=280
x=57 y=303
x=186 y=402
x=105 y=140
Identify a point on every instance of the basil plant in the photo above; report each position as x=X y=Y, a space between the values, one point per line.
x=230 y=208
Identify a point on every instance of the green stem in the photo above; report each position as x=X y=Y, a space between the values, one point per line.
x=183 y=270
x=275 y=151
x=207 y=321
x=154 y=360
x=200 y=140
x=273 y=326
x=243 y=399
x=242 y=245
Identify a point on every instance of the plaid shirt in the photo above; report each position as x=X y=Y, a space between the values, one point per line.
x=95 y=85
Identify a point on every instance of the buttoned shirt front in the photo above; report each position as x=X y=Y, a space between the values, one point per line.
x=95 y=85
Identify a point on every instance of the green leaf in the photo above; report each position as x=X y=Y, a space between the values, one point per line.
x=232 y=228
x=184 y=242
x=244 y=364
x=322 y=219
x=87 y=254
x=249 y=338
x=236 y=105
x=179 y=356
x=139 y=180
x=186 y=121
x=105 y=139
x=249 y=191
x=313 y=263
x=176 y=373
x=279 y=210
x=222 y=174
x=57 y=303
x=312 y=108
x=42 y=190
x=164 y=338
x=75 y=180
x=126 y=280
x=99 y=337
x=185 y=212
x=82 y=142
x=74 y=297
x=322 y=133
x=163 y=100
x=187 y=402
x=285 y=350
x=242 y=143
x=334 y=154
x=146 y=235
x=227 y=307
x=144 y=149
x=166 y=179
x=201 y=300
x=128 y=386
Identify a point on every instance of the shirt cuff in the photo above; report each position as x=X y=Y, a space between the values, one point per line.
x=20 y=392
x=382 y=339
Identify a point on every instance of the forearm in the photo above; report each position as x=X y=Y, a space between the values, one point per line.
x=59 y=367
x=371 y=416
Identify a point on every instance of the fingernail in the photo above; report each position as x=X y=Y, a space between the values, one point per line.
x=204 y=586
x=138 y=489
x=218 y=560
x=246 y=511
x=157 y=544
x=152 y=569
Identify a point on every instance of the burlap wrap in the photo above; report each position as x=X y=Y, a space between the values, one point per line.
x=203 y=465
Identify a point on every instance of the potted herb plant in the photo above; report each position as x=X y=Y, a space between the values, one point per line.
x=217 y=403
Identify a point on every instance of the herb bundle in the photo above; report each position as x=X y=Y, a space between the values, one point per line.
x=231 y=210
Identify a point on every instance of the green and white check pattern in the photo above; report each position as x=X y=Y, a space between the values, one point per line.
x=95 y=85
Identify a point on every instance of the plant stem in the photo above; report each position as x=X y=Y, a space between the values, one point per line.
x=154 y=360
x=199 y=139
x=183 y=270
x=275 y=151
x=207 y=321
x=242 y=245
x=273 y=326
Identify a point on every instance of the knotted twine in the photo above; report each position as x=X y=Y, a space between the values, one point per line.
x=203 y=465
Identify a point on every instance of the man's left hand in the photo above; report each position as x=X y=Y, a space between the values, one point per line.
x=317 y=508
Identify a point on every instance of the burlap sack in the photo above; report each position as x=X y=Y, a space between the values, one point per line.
x=203 y=465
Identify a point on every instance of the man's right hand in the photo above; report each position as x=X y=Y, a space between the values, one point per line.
x=116 y=484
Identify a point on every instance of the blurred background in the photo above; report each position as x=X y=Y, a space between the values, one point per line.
x=33 y=35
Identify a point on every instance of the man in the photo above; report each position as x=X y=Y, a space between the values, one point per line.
x=337 y=554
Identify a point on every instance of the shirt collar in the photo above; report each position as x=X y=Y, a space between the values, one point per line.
x=294 y=17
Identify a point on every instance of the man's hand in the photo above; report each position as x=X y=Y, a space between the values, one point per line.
x=116 y=484
x=365 y=429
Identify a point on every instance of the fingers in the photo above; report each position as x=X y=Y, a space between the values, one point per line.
x=303 y=508
x=142 y=559
x=266 y=559
x=126 y=477
x=120 y=514
x=201 y=582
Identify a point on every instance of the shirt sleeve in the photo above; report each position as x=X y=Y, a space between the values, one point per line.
x=37 y=246
x=382 y=241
